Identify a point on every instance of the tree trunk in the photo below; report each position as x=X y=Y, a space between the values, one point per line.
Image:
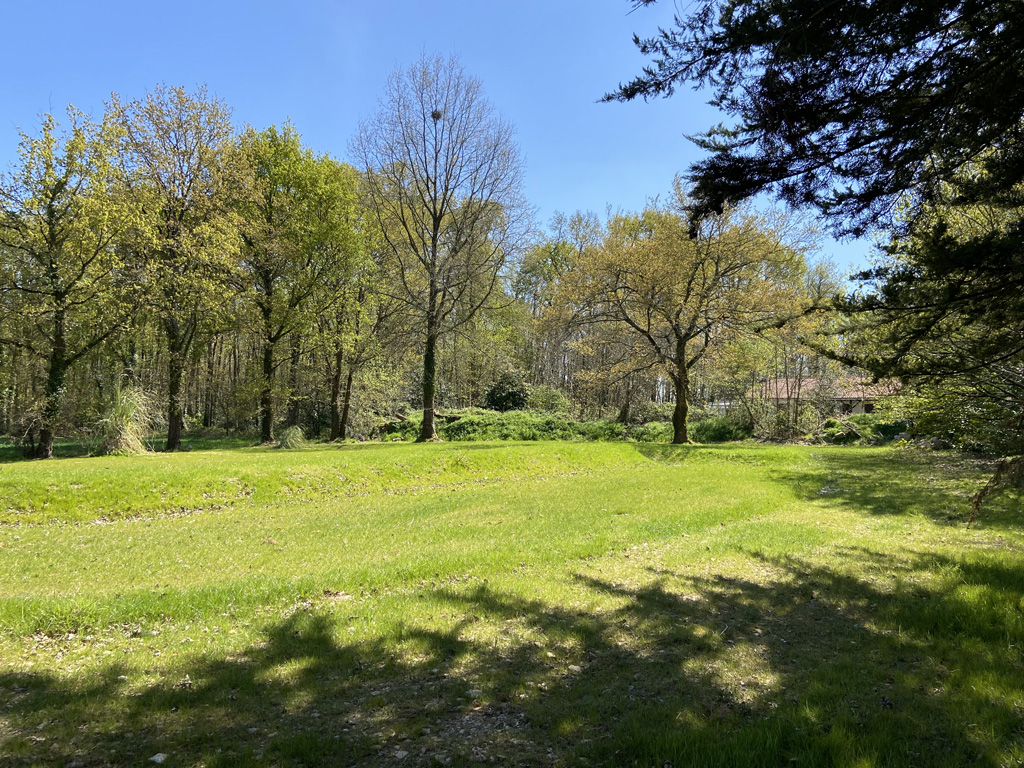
x=681 y=380
x=346 y=410
x=427 y=431
x=175 y=404
x=293 y=381
x=679 y=434
x=54 y=388
x=209 y=399
x=178 y=343
x=267 y=394
x=339 y=360
x=130 y=369
x=627 y=401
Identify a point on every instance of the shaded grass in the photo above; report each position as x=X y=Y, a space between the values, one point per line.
x=698 y=606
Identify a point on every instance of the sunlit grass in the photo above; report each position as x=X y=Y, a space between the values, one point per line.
x=575 y=604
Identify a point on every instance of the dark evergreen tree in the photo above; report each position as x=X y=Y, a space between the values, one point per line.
x=846 y=105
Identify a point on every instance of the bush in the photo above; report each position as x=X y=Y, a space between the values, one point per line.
x=718 y=429
x=406 y=428
x=476 y=424
x=601 y=429
x=860 y=427
x=836 y=432
x=547 y=400
x=648 y=411
x=652 y=432
x=512 y=425
x=508 y=393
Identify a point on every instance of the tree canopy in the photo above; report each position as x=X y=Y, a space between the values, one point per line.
x=846 y=105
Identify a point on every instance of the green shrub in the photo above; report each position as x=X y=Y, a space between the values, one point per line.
x=718 y=429
x=476 y=424
x=404 y=428
x=601 y=429
x=652 y=432
x=473 y=426
x=836 y=432
x=512 y=425
x=508 y=393
x=547 y=400
x=649 y=411
x=860 y=428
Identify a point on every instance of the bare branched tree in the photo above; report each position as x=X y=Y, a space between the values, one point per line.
x=444 y=178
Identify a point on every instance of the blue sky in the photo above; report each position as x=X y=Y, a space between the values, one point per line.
x=543 y=65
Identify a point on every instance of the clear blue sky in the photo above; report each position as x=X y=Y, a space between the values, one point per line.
x=543 y=65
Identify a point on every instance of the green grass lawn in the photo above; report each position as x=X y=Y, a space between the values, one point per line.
x=510 y=604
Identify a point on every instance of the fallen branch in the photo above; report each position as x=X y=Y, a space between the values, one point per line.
x=851 y=428
x=1009 y=474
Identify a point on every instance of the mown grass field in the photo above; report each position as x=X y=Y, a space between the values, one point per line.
x=510 y=604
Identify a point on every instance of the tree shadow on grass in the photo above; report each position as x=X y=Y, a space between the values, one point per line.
x=792 y=663
x=938 y=486
x=680 y=454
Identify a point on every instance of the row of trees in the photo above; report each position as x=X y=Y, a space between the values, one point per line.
x=161 y=222
x=248 y=281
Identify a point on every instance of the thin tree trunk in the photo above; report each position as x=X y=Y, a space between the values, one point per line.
x=130 y=369
x=627 y=402
x=339 y=359
x=681 y=380
x=427 y=431
x=178 y=343
x=209 y=398
x=175 y=406
x=55 y=377
x=293 y=381
x=346 y=410
x=267 y=394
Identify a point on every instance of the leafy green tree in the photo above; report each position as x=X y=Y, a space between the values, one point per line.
x=177 y=158
x=508 y=393
x=444 y=177
x=299 y=224
x=555 y=328
x=679 y=297
x=64 y=227
x=363 y=326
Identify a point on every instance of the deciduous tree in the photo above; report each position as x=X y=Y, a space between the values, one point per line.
x=64 y=226
x=680 y=296
x=444 y=179
x=176 y=157
x=300 y=219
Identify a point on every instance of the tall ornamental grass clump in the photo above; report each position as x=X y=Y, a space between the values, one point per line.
x=292 y=437
x=128 y=420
